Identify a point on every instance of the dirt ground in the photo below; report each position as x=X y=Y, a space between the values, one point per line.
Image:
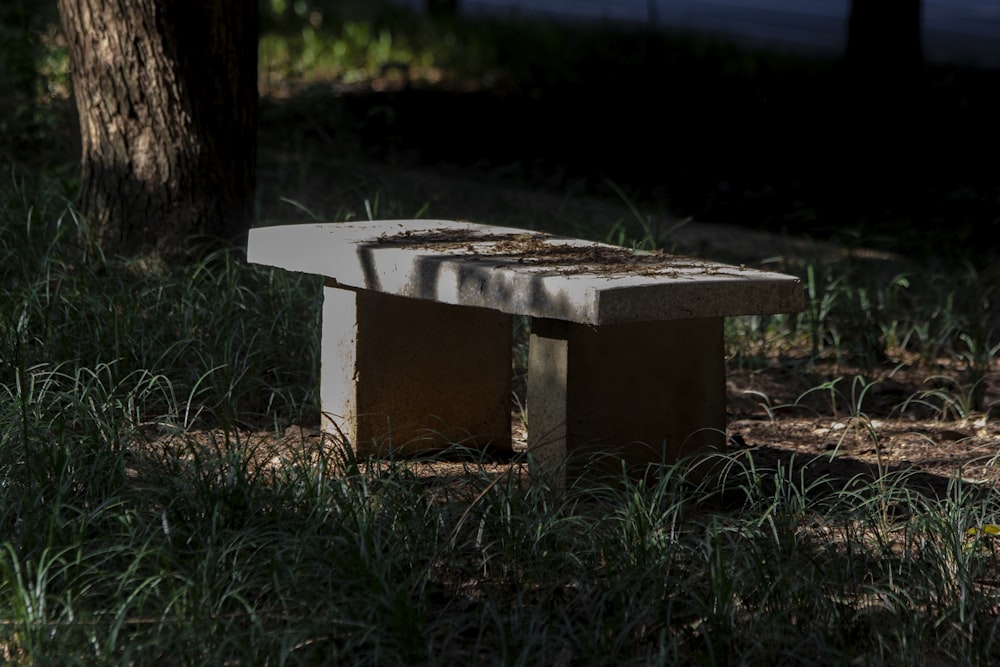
x=849 y=445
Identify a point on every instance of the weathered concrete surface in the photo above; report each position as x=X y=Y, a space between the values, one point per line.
x=640 y=393
x=470 y=265
x=407 y=376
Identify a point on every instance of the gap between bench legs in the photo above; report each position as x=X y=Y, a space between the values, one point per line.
x=412 y=375
x=639 y=393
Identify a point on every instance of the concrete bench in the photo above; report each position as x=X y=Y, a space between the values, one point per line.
x=626 y=357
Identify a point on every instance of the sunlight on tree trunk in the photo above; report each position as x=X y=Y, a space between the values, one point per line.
x=167 y=98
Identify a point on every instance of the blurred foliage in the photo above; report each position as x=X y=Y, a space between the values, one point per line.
x=34 y=76
x=737 y=135
x=306 y=42
x=352 y=38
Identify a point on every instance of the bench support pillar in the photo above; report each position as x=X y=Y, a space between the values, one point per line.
x=442 y=372
x=640 y=393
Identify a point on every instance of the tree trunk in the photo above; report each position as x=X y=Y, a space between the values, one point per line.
x=167 y=97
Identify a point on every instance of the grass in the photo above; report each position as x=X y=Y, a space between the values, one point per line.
x=154 y=510
x=157 y=508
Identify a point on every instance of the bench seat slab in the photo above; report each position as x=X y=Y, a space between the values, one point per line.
x=522 y=273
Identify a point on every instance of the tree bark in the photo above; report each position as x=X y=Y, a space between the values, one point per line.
x=166 y=92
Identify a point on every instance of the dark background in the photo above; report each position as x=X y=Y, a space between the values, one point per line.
x=899 y=156
x=713 y=130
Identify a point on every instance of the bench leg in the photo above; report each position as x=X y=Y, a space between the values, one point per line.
x=410 y=375
x=639 y=394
